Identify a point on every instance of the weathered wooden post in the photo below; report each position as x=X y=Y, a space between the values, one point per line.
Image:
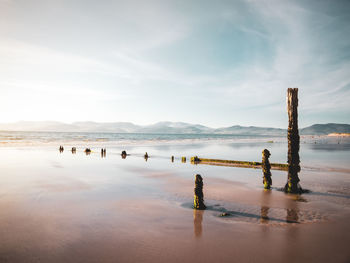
x=292 y=185
x=265 y=164
x=198 y=202
x=87 y=151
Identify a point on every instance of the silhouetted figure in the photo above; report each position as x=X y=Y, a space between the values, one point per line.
x=103 y=153
x=123 y=154
x=146 y=156
x=87 y=151
x=74 y=150
x=61 y=149
x=198 y=202
x=267 y=181
x=172 y=159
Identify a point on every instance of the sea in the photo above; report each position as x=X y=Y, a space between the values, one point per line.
x=315 y=151
x=74 y=206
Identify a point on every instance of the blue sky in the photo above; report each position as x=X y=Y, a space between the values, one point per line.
x=216 y=63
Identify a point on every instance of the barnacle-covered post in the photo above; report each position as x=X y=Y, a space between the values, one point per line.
x=266 y=169
x=198 y=202
x=292 y=185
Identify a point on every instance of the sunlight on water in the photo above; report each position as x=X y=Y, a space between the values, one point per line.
x=104 y=206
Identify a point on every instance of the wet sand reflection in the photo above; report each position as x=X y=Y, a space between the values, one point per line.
x=197 y=222
x=292 y=211
x=264 y=211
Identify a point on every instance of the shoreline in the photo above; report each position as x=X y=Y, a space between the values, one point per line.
x=88 y=208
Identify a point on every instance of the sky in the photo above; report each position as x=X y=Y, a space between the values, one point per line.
x=216 y=63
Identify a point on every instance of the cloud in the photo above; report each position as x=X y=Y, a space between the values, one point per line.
x=238 y=57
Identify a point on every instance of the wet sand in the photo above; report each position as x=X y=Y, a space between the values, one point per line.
x=83 y=208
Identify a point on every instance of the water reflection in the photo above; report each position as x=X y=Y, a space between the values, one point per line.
x=292 y=216
x=197 y=222
x=264 y=211
x=124 y=154
x=292 y=211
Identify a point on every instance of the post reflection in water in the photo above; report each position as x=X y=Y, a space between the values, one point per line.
x=197 y=222
x=265 y=201
x=292 y=212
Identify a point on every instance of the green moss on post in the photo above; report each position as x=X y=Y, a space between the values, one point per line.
x=266 y=169
x=198 y=202
x=292 y=185
x=244 y=164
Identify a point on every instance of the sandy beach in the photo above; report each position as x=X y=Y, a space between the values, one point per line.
x=64 y=207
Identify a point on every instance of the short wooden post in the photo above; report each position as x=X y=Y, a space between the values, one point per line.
x=292 y=185
x=265 y=164
x=198 y=202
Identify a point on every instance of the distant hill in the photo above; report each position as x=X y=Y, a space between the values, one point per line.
x=167 y=127
x=323 y=129
x=251 y=130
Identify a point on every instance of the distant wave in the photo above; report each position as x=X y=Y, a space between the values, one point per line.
x=17 y=138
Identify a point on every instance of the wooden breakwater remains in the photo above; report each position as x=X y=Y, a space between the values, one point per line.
x=234 y=163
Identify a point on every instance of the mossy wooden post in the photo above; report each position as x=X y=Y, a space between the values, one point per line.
x=265 y=164
x=292 y=185
x=198 y=202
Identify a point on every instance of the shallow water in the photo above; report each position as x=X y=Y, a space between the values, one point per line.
x=64 y=207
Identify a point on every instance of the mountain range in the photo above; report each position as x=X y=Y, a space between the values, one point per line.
x=166 y=128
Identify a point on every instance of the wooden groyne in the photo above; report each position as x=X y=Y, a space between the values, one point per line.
x=243 y=164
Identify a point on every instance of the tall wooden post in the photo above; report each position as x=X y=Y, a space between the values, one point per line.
x=292 y=185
